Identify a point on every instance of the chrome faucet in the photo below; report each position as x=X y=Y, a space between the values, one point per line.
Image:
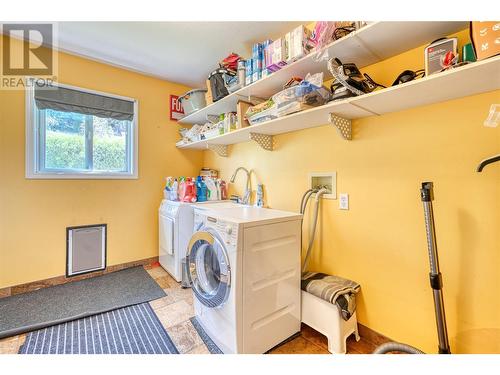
x=246 y=197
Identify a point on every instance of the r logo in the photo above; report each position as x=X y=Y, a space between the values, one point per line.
x=34 y=56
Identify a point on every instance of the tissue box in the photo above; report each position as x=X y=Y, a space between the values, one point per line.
x=276 y=55
x=296 y=41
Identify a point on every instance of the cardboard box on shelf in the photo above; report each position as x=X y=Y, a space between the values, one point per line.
x=208 y=95
x=241 y=109
x=485 y=38
x=276 y=55
x=296 y=41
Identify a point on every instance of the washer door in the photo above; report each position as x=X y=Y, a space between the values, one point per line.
x=209 y=271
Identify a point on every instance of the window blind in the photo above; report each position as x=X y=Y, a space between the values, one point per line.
x=68 y=100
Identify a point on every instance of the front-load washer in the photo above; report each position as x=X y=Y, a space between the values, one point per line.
x=175 y=230
x=244 y=269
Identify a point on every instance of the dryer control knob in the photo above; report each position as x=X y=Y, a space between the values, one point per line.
x=229 y=229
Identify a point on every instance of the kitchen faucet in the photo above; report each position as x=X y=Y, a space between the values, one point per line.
x=246 y=197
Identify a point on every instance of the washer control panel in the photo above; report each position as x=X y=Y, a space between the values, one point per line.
x=228 y=231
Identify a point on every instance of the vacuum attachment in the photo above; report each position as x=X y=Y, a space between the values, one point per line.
x=349 y=81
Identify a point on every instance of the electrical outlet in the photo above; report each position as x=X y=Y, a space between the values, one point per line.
x=344 y=201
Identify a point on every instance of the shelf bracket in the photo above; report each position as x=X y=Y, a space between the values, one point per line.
x=264 y=140
x=343 y=125
x=220 y=150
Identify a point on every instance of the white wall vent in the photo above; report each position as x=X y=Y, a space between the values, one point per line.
x=85 y=249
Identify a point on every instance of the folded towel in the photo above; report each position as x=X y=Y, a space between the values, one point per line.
x=332 y=289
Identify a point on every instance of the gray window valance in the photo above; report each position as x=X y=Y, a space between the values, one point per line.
x=68 y=100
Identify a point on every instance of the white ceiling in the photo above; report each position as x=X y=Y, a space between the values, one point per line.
x=183 y=52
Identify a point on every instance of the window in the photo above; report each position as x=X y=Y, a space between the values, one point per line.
x=78 y=133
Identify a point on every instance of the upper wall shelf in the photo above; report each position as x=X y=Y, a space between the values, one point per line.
x=371 y=44
x=475 y=78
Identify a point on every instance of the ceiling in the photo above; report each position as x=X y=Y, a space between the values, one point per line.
x=183 y=52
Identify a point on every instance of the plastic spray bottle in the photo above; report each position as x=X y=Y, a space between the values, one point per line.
x=166 y=191
x=182 y=188
x=190 y=191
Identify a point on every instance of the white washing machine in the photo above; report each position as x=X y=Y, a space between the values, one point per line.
x=244 y=267
x=175 y=230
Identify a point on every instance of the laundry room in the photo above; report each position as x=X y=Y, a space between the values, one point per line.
x=254 y=184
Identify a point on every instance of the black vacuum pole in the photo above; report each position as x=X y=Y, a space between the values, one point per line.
x=427 y=195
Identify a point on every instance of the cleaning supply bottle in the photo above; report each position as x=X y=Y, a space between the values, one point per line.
x=217 y=185
x=190 y=188
x=211 y=189
x=182 y=188
x=166 y=190
x=223 y=190
x=201 y=190
x=174 y=190
x=260 y=196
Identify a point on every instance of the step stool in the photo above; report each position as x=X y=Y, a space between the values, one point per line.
x=325 y=318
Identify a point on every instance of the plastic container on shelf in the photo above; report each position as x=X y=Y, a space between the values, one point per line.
x=212 y=133
x=193 y=101
x=309 y=92
x=292 y=107
x=266 y=115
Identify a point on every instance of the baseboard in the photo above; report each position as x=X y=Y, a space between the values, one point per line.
x=34 y=285
x=372 y=336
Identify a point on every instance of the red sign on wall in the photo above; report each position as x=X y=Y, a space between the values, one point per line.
x=176 y=110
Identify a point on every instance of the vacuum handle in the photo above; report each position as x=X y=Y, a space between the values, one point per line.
x=435 y=278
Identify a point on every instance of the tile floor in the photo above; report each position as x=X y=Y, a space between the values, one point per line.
x=176 y=308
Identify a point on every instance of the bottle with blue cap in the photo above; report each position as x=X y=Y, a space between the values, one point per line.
x=201 y=190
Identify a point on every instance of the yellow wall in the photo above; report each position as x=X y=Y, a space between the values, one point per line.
x=35 y=213
x=380 y=241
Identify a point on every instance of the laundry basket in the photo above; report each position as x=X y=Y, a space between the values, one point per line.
x=193 y=101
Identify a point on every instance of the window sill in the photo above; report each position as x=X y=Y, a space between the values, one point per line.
x=81 y=176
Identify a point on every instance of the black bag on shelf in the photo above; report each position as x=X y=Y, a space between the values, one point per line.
x=218 y=83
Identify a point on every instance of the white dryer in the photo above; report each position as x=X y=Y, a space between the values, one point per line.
x=244 y=267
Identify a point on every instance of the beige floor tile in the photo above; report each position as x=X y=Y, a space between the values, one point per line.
x=180 y=294
x=165 y=282
x=200 y=349
x=175 y=313
x=184 y=336
x=10 y=345
x=162 y=302
x=157 y=272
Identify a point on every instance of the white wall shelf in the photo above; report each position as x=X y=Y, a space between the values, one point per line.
x=471 y=79
x=368 y=45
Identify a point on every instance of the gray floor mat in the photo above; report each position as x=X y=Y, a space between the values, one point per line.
x=62 y=303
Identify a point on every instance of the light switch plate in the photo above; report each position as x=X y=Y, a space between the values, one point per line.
x=344 y=201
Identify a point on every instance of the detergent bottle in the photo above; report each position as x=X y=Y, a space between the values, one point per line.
x=174 y=190
x=211 y=189
x=182 y=188
x=190 y=195
x=223 y=190
x=201 y=190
